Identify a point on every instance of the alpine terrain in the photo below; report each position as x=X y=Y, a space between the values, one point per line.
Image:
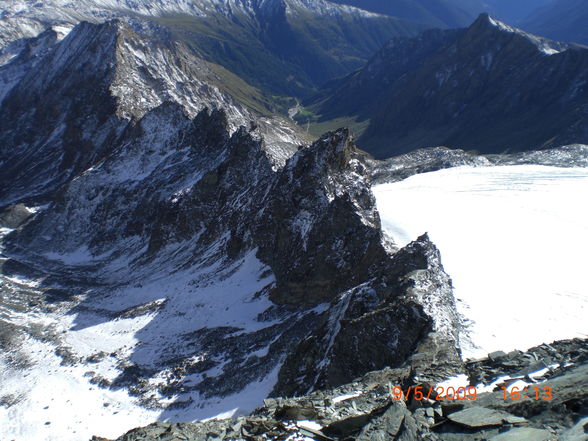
x=286 y=47
x=483 y=88
x=179 y=260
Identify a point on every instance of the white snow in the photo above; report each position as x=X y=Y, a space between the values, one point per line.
x=514 y=241
x=213 y=296
x=544 y=45
x=346 y=397
x=79 y=256
x=305 y=424
x=59 y=403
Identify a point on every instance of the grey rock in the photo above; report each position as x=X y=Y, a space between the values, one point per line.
x=386 y=426
x=579 y=432
x=524 y=434
x=480 y=417
x=496 y=355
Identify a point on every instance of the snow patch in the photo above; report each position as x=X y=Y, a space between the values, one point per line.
x=346 y=397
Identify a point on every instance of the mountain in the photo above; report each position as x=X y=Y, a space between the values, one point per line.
x=286 y=47
x=174 y=253
x=563 y=20
x=490 y=87
x=438 y=13
x=171 y=249
x=73 y=104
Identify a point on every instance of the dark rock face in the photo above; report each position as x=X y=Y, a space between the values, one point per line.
x=366 y=410
x=360 y=92
x=489 y=88
x=315 y=250
x=380 y=323
x=61 y=117
x=27 y=54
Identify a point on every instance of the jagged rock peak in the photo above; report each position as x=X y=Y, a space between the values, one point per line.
x=485 y=24
x=406 y=302
x=212 y=125
x=209 y=129
x=334 y=151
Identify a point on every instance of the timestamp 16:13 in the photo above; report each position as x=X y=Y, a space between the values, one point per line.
x=536 y=393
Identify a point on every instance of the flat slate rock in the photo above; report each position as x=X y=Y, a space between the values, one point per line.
x=478 y=417
x=524 y=434
x=577 y=433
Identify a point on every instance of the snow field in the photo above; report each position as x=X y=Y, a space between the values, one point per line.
x=514 y=241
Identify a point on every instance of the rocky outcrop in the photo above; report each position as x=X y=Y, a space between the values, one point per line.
x=320 y=230
x=432 y=159
x=407 y=309
x=419 y=161
x=366 y=409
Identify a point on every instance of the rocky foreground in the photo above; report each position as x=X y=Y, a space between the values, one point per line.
x=546 y=399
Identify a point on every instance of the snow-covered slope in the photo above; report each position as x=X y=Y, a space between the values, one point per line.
x=179 y=277
x=69 y=108
x=514 y=240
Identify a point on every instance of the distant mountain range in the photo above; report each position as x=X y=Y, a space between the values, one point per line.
x=565 y=20
x=490 y=87
x=285 y=47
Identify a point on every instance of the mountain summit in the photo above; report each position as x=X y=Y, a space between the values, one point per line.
x=490 y=87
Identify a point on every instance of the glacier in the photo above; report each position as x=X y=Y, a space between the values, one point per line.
x=514 y=241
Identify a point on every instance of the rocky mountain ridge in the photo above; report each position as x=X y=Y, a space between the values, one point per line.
x=208 y=248
x=438 y=158
x=77 y=102
x=485 y=88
